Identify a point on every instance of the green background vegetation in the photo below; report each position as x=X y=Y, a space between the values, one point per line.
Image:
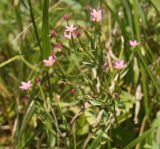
x=50 y=116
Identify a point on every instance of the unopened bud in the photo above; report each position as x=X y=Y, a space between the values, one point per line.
x=53 y=34
x=66 y=17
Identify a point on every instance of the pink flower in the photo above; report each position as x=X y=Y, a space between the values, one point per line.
x=73 y=91
x=50 y=61
x=68 y=32
x=70 y=28
x=58 y=45
x=133 y=43
x=116 y=95
x=119 y=65
x=25 y=85
x=67 y=35
x=96 y=15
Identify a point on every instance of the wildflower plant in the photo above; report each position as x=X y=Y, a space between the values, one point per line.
x=87 y=81
x=87 y=85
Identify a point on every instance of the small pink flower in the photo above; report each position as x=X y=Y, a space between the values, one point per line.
x=70 y=28
x=78 y=34
x=133 y=43
x=67 y=35
x=116 y=95
x=25 y=85
x=119 y=65
x=96 y=15
x=58 y=45
x=50 y=61
x=73 y=91
x=66 y=17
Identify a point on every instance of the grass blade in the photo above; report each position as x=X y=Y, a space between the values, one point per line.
x=45 y=30
x=156 y=123
x=10 y=60
x=34 y=26
x=97 y=140
x=156 y=4
x=29 y=113
x=148 y=71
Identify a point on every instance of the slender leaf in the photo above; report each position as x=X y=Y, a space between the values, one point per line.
x=45 y=30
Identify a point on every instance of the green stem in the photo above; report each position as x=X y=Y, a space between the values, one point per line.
x=34 y=26
x=10 y=60
x=145 y=90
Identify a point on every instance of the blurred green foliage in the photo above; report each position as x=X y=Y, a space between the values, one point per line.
x=50 y=115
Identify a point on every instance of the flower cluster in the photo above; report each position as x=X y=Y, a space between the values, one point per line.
x=47 y=62
x=70 y=30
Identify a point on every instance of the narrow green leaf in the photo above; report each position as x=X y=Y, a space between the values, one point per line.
x=144 y=85
x=156 y=4
x=139 y=139
x=139 y=11
x=148 y=70
x=10 y=60
x=27 y=117
x=155 y=124
x=96 y=141
x=128 y=13
x=136 y=20
x=34 y=26
x=45 y=30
